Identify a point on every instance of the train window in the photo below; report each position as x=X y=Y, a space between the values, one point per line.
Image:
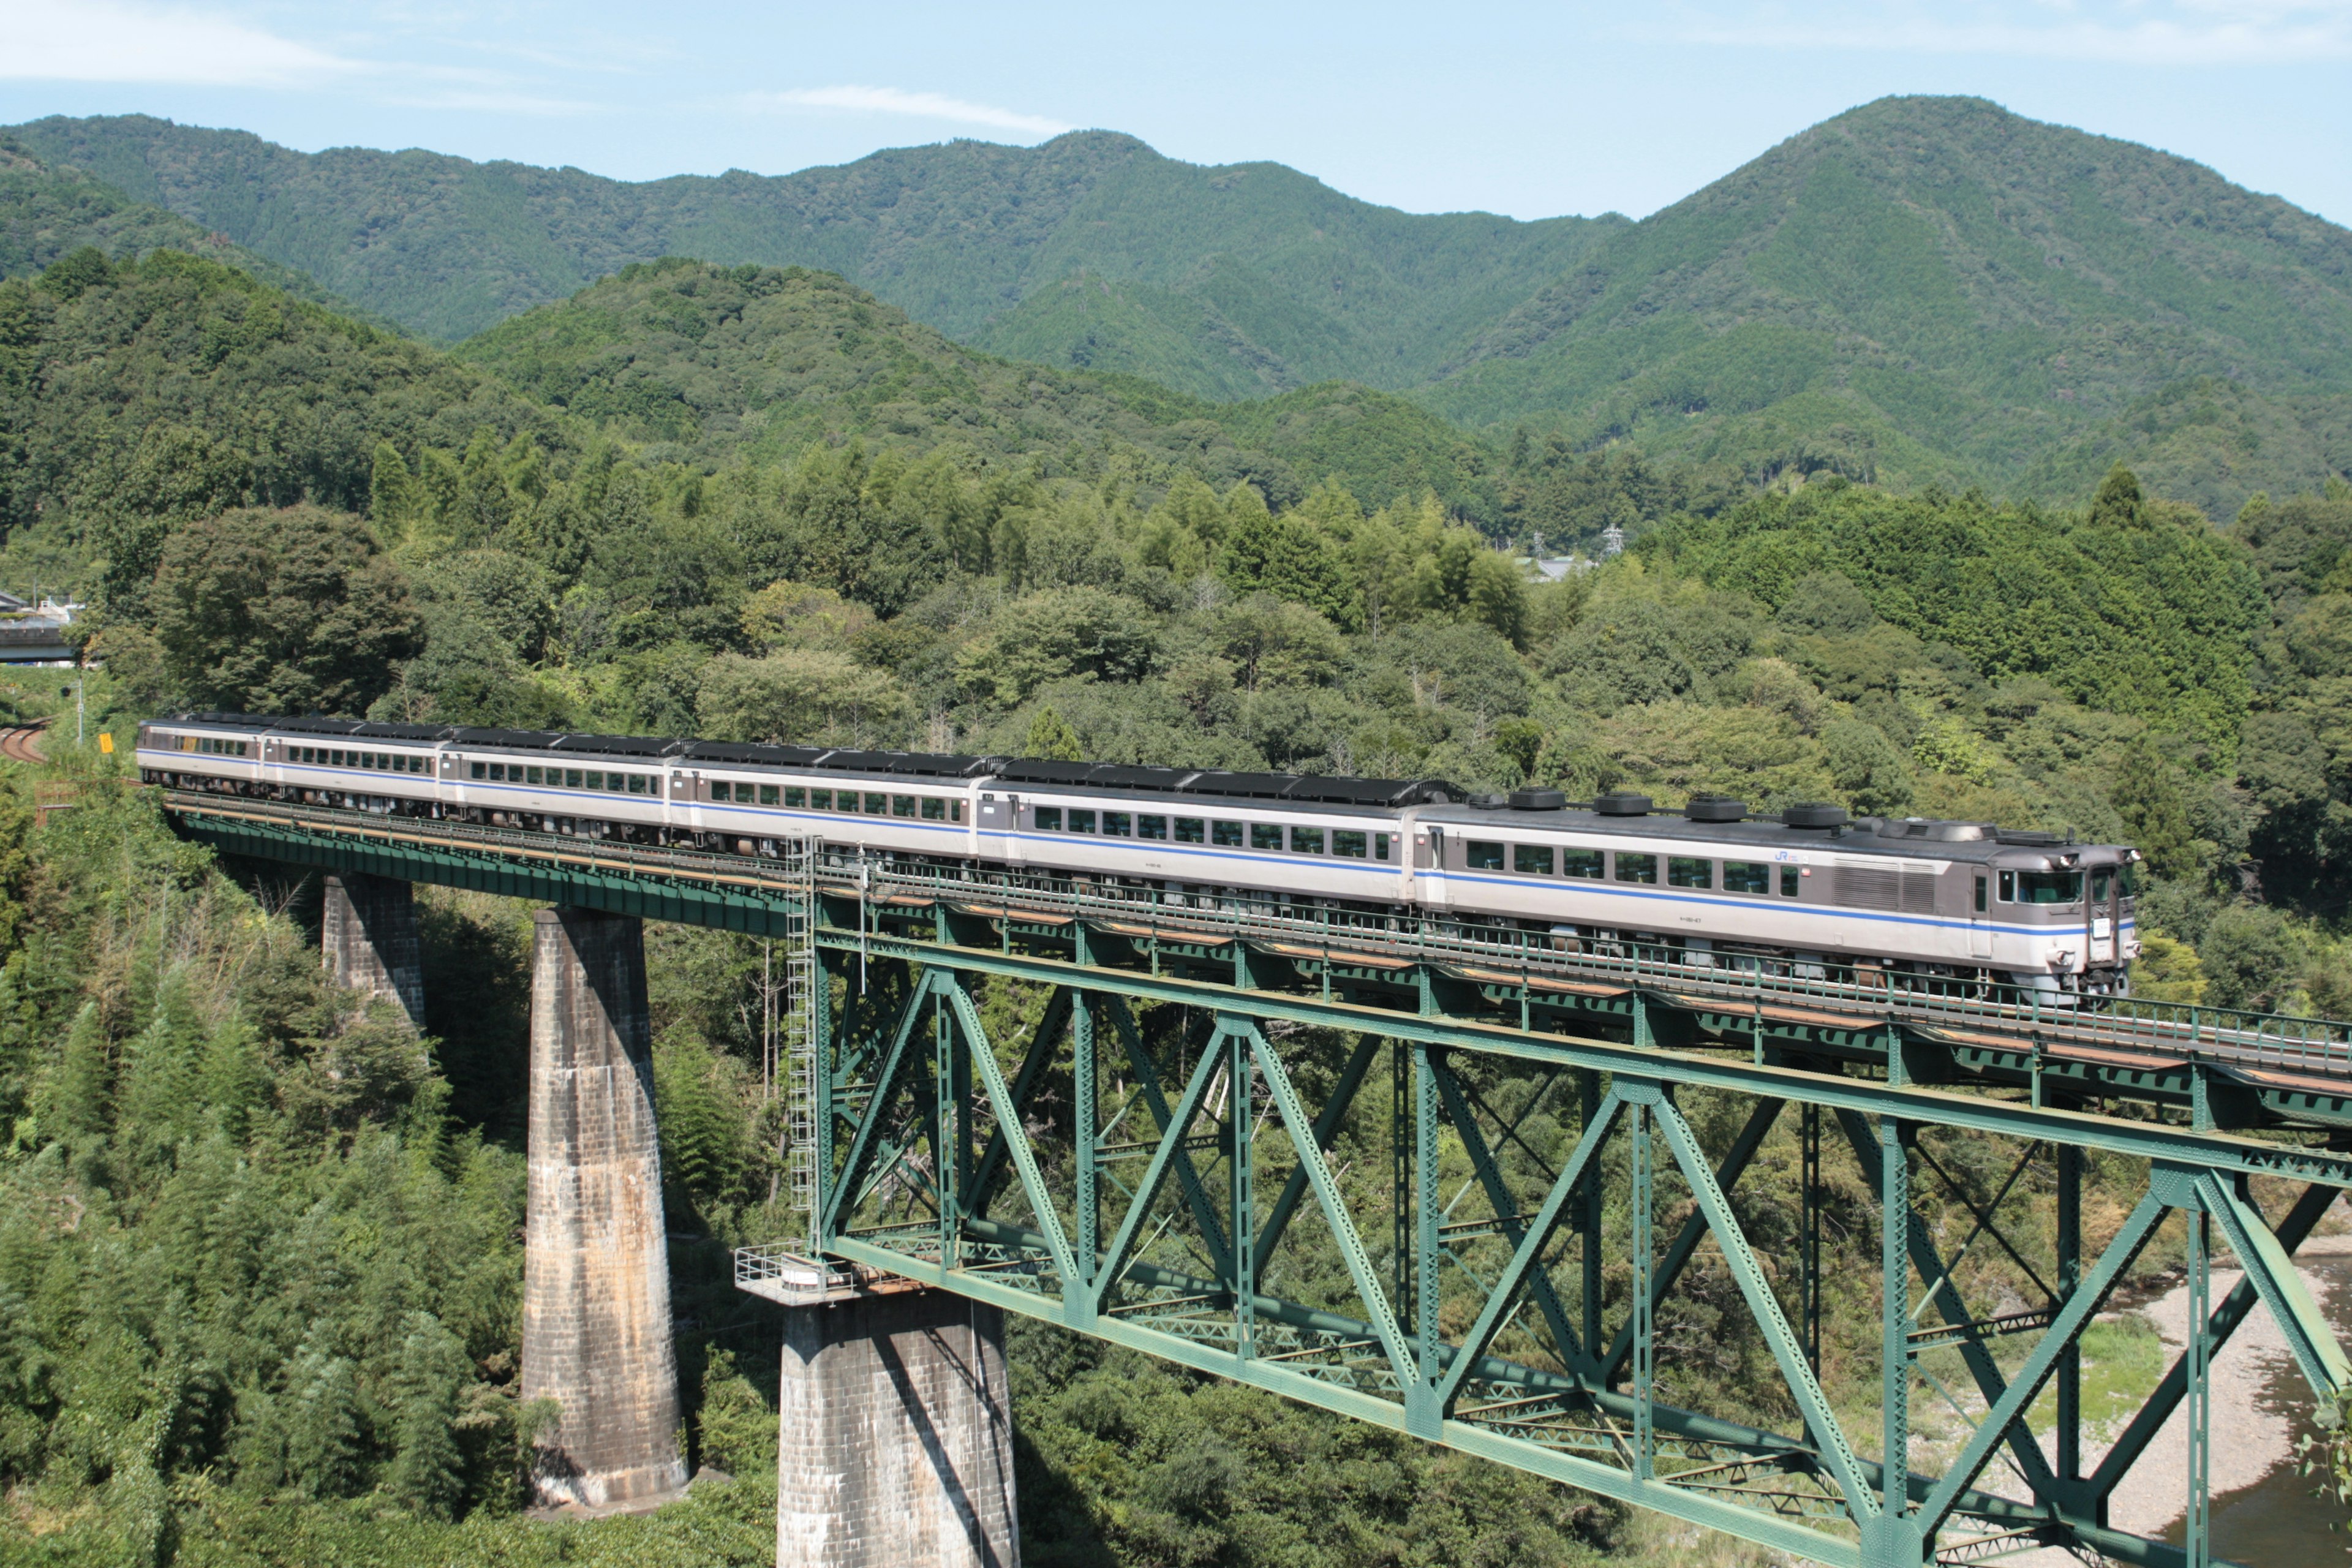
x=1690 y=871
x=902 y=806
x=1081 y=821
x=769 y=795
x=1306 y=841
x=1191 y=830
x=820 y=800
x=1585 y=863
x=1380 y=846
x=1637 y=867
x=570 y=778
x=795 y=796
x=1148 y=827
x=1484 y=856
x=1535 y=859
x=596 y=780
x=615 y=783
x=1981 y=895
x=1347 y=843
x=636 y=784
x=2049 y=887
x=1789 y=883
x=2103 y=881
x=1747 y=876
x=1227 y=833
x=721 y=790
x=478 y=770
x=955 y=811
x=2131 y=879
x=1266 y=836
x=876 y=805
x=1119 y=824
x=1049 y=819
x=934 y=808
x=531 y=775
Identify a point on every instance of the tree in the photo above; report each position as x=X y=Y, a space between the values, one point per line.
x=427 y=1469
x=1867 y=767
x=799 y=697
x=2149 y=796
x=281 y=612
x=2118 y=503
x=392 y=491
x=1051 y=739
x=786 y=613
x=2250 y=957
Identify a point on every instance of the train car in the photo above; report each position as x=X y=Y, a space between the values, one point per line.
x=1806 y=892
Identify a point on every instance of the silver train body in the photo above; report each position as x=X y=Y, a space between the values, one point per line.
x=1807 y=893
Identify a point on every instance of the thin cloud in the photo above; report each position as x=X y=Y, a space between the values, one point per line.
x=103 y=40
x=915 y=105
x=2194 y=33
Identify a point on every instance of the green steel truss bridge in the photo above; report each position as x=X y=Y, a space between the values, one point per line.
x=1147 y=1151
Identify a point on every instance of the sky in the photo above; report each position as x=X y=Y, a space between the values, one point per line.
x=1531 y=111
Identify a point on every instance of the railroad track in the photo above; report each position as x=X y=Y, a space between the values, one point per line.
x=22 y=742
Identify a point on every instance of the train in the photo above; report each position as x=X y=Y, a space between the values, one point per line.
x=1807 y=891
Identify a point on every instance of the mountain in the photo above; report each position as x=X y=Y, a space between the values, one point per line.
x=49 y=212
x=1089 y=249
x=1936 y=291
x=1924 y=291
x=756 y=363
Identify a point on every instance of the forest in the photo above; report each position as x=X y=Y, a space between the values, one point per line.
x=258 y=1257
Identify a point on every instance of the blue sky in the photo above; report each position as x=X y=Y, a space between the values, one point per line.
x=1527 y=110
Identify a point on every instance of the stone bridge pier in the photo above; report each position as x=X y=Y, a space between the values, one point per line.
x=896 y=1437
x=367 y=935
x=596 y=1333
x=595 y=1315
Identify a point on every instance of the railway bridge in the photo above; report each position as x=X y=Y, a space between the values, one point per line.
x=1158 y=1137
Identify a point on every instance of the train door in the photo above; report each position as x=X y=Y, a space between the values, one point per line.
x=1980 y=918
x=2099 y=907
x=999 y=828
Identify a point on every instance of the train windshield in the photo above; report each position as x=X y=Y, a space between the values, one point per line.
x=2049 y=887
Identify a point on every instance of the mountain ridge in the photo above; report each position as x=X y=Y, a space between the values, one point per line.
x=1922 y=290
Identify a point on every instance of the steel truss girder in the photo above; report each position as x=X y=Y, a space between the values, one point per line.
x=1417 y=1382
x=1909 y=1102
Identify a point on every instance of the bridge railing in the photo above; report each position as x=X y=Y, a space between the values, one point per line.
x=1489 y=953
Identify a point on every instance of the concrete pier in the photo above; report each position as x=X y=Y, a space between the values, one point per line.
x=596 y=1316
x=897 y=1430
x=367 y=935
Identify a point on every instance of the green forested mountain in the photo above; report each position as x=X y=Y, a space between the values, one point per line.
x=1921 y=290
x=730 y=363
x=50 y=212
x=1934 y=289
x=1228 y=281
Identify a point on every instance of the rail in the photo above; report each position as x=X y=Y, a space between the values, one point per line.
x=1535 y=961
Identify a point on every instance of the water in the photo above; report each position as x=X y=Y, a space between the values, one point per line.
x=2276 y=1522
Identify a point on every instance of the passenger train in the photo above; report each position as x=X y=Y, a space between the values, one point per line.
x=1807 y=891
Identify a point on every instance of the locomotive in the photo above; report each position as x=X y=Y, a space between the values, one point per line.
x=1807 y=891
